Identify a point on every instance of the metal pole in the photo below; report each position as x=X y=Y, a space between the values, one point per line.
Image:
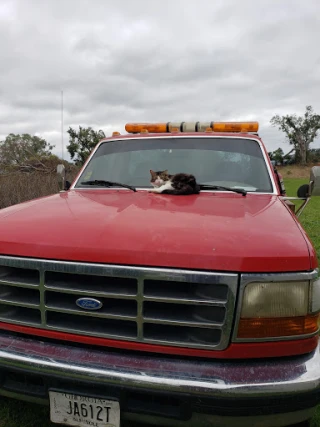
x=62 y=148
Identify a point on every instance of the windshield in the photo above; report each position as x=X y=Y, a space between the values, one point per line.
x=229 y=162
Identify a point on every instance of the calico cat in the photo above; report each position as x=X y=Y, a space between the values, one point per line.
x=179 y=184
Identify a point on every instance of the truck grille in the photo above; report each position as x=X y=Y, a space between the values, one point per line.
x=148 y=305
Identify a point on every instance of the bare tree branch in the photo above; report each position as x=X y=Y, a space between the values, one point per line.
x=300 y=131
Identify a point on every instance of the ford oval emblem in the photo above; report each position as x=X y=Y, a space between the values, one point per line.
x=89 y=303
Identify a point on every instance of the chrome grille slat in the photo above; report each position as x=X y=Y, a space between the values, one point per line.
x=148 y=305
x=173 y=313
x=112 y=309
x=182 y=323
x=99 y=327
x=91 y=293
x=18 y=285
x=57 y=301
x=19 y=276
x=20 y=296
x=42 y=298
x=69 y=281
x=180 y=290
x=19 y=304
x=187 y=301
x=180 y=334
x=20 y=315
x=140 y=310
x=23 y=322
x=92 y=314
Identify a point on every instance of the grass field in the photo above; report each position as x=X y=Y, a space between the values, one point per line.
x=310 y=217
x=19 y=414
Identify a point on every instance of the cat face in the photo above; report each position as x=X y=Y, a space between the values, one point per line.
x=159 y=178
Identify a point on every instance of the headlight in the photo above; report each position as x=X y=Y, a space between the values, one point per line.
x=279 y=309
x=315 y=296
x=275 y=299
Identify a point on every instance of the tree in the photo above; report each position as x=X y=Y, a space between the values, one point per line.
x=277 y=155
x=300 y=131
x=81 y=143
x=21 y=150
x=314 y=155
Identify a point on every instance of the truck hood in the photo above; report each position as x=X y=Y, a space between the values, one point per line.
x=210 y=231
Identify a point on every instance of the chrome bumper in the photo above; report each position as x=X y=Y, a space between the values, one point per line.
x=197 y=379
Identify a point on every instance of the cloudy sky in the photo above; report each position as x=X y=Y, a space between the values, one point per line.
x=155 y=60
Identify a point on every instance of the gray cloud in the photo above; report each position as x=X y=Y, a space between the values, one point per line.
x=155 y=60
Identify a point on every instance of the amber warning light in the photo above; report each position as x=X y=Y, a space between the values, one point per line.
x=192 y=127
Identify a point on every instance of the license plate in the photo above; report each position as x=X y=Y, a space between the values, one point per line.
x=83 y=411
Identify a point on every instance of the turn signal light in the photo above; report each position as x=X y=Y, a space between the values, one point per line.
x=277 y=327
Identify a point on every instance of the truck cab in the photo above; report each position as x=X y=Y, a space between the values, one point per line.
x=195 y=310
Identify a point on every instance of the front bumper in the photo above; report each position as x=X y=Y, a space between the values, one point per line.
x=163 y=389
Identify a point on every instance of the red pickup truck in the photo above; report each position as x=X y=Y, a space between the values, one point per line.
x=192 y=310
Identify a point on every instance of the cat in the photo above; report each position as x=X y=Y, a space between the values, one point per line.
x=179 y=184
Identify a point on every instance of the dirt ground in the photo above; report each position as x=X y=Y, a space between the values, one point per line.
x=293 y=171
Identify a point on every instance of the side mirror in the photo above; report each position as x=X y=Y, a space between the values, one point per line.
x=313 y=188
x=314 y=185
x=67 y=185
x=303 y=191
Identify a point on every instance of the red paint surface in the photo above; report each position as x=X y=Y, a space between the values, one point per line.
x=182 y=134
x=210 y=231
x=234 y=351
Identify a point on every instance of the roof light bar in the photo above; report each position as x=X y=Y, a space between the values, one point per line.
x=150 y=127
x=192 y=127
x=235 y=127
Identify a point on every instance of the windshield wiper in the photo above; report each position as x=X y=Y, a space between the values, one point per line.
x=220 y=187
x=103 y=183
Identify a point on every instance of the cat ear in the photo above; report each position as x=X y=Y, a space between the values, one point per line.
x=152 y=172
x=166 y=172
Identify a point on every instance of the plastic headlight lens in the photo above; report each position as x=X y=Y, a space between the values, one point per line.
x=278 y=299
x=315 y=296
